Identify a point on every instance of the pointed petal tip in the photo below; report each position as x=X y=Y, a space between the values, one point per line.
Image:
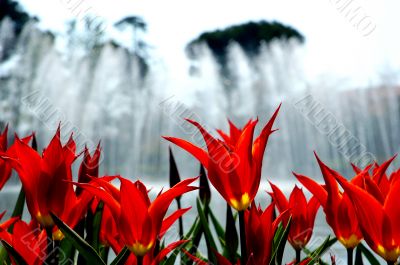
x=297 y=175
x=168 y=138
x=320 y=163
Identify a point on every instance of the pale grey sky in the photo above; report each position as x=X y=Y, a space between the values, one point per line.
x=333 y=44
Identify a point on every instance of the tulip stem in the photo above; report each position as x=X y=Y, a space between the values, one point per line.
x=139 y=260
x=243 y=257
x=350 y=256
x=51 y=258
x=298 y=255
x=104 y=253
x=178 y=201
x=390 y=262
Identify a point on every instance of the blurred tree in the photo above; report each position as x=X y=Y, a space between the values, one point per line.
x=94 y=33
x=86 y=34
x=72 y=39
x=139 y=46
x=249 y=36
x=137 y=24
x=11 y=9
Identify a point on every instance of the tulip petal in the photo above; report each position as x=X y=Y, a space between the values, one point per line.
x=279 y=198
x=170 y=220
x=369 y=210
x=392 y=208
x=316 y=189
x=194 y=150
x=160 y=205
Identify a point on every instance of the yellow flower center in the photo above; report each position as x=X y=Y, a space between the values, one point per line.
x=44 y=220
x=243 y=204
x=350 y=242
x=58 y=235
x=388 y=255
x=139 y=249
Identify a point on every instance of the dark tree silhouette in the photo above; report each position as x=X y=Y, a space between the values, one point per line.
x=137 y=24
x=13 y=10
x=249 y=36
x=139 y=46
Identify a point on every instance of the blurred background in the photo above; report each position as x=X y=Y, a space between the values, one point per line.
x=126 y=72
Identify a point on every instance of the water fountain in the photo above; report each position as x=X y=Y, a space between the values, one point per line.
x=101 y=95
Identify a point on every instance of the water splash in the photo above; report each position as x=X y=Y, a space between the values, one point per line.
x=102 y=95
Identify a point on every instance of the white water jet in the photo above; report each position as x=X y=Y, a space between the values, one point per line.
x=102 y=94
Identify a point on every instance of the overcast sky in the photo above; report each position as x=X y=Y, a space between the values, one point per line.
x=333 y=44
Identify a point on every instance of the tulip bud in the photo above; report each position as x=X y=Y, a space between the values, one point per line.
x=204 y=191
x=174 y=177
x=34 y=142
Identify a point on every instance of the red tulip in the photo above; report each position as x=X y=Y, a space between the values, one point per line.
x=139 y=221
x=90 y=165
x=378 y=184
x=109 y=235
x=260 y=231
x=5 y=169
x=302 y=214
x=45 y=181
x=155 y=260
x=234 y=164
x=337 y=206
x=380 y=220
x=26 y=239
x=5 y=225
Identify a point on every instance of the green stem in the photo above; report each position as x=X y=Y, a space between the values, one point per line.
x=104 y=253
x=19 y=207
x=243 y=249
x=178 y=201
x=298 y=255
x=51 y=258
x=350 y=256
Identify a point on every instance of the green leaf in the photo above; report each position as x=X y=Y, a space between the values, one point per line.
x=96 y=227
x=205 y=225
x=14 y=254
x=194 y=234
x=204 y=191
x=171 y=259
x=358 y=260
x=217 y=226
x=123 y=255
x=104 y=250
x=19 y=206
x=231 y=238
x=368 y=254
x=3 y=255
x=278 y=234
x=279 y=243
x=68 y=251
x=317 y=253
x=207 y=232
x=174 y=177
x=83 y=247
x=193 y=229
